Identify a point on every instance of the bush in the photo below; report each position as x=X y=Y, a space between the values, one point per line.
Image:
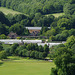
x=3 y=55
x=18 y=37
x=53 y=71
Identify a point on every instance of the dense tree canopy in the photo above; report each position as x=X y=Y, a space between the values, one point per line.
x=70 y=41
x=34 y=6
x=3 y=29
x=1 y=47
x=39 y=15
x=28 y=50
x=3 y=19
x=69 y=8
x=3 y=54
x=19 y=29
x=64 y=58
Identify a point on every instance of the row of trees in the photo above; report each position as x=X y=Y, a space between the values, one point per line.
x=28 y=50
x=64 y=58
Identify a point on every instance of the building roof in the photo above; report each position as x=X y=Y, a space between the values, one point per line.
x=33 y=28
x=12 y=41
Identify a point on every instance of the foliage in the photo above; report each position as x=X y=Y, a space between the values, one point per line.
x=65 y=58
x=1 y=47
x=34 y=6
x=62 y=60
x=19 y=29
x=62 y=28
x=3 y=55
x=2 y=36
x=69 y=8
x=53 y=50
x=18 y=37
x=13 y=47
x=70 y=41
x=39 y=15
x=73 y=48
x=53 y=71
x=28 y=50
x=3 y=19
x=64 y=22
x=3 y=29
x=18 y=22
x=43 y=30
x=42 y=20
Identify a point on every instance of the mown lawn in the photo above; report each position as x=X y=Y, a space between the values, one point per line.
x=26 y=67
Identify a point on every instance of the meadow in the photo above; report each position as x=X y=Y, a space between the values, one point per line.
x=9 y=11
x=58 y=14
x=23 y=66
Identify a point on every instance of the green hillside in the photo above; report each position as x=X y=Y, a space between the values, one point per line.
x=35 y=6
x=9 y=11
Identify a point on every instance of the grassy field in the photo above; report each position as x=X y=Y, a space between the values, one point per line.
x=23 y=66
x=7 y=11
x=58 y=14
